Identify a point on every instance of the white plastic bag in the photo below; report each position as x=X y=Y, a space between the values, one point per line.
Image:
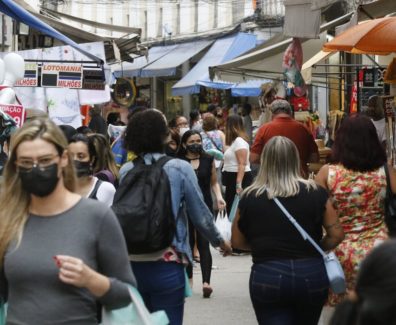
x=223 y=225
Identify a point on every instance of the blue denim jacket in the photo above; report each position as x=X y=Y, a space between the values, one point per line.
x=187 y=199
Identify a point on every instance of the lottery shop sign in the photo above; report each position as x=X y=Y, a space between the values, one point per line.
x=17 y=112
x=62 y=76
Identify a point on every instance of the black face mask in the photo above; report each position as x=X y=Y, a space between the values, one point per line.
x=170 y=152
x=39 y=181
x=194 y=148
x=83 y=168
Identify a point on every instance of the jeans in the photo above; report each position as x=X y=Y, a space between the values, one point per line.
x=289 y=292
x=162 y=285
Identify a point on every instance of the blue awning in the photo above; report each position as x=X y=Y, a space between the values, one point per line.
x=167 y=64
x=222 y=50
x=10 y=8
x=249 y=88
x=134 y=69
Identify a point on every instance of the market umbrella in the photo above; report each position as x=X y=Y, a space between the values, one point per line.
x=377 y=36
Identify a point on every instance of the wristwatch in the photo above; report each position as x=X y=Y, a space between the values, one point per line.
x=238 y=186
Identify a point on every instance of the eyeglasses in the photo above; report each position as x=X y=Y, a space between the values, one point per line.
x=28 y=164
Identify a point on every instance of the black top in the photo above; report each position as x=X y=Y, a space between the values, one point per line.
x=270 y=233
x=204 y=173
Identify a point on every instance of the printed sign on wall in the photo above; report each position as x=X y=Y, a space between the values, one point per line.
x=30 y=78
x=61 y=76
x=17 y=112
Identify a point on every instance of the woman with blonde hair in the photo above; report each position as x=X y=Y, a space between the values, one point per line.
x=288 y=281
x=236 y=168
x=59 y=253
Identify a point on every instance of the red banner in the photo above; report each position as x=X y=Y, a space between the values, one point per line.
x=17 y=112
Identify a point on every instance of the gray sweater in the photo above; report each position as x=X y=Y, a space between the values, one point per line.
x=29 y=280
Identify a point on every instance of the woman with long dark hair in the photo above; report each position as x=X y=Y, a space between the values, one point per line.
x=288 y=282
x=236 y=169
x=191 y=150
x=357 y=184
x=85 y=157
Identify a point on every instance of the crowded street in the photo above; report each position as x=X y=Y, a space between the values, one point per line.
x=170 y=162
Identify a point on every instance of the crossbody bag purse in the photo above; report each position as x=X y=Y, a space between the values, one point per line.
x=334 y=271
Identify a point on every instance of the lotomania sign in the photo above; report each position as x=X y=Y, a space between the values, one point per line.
x=62 y=76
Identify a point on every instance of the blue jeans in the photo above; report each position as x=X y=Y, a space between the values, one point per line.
x=161 y=285
x=288 y=292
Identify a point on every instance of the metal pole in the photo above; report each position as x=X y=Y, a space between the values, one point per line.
x=357 y=90
x=3 y=33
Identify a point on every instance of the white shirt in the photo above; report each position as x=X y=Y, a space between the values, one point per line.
x=230 y=159
x=105 y=193
x=380 y=126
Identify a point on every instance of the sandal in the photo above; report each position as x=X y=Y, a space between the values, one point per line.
x=207 y=291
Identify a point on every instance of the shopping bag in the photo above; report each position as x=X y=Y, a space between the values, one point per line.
x=3 y=313
x=234 y=208
x=223 y=225
x=135 y=313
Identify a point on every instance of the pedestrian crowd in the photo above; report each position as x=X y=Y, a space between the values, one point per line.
x=88 y=214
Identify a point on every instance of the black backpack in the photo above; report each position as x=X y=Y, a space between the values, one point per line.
x=143 y=206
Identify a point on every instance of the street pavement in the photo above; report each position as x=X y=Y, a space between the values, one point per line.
x=230 y=301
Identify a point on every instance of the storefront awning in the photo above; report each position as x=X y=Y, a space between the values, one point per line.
x=249 y=88
x=308 y=66
x=134 y=69
x=222 y=50
x=10 y=8
x=266 y=60
x=167 y=64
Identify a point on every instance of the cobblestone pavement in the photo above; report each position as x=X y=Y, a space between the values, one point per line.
x=230 y=302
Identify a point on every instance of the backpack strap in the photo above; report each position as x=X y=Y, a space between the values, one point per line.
x=95 y=190
x=213 y=142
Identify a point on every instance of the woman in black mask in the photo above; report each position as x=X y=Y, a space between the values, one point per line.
x=59 y=253
x=203 y=164
x=82 y=149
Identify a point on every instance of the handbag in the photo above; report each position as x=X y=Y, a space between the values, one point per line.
x=135 y=313
x=334 y=271
x=390 y=206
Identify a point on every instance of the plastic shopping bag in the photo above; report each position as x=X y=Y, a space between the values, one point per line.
x=223 y=225
x=234 y=207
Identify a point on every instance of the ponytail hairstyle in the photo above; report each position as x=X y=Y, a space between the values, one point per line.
x=375 y=301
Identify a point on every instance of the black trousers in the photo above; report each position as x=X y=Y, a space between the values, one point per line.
x=229 y=181
x=205 y=257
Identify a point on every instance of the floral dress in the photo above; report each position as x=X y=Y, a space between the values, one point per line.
x=359 y=200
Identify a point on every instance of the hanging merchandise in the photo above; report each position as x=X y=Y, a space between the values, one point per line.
x=300 y=103
x=292 y=63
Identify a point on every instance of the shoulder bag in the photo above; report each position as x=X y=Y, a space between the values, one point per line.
x=335 y=273
x=135 y=313
x=390 y=206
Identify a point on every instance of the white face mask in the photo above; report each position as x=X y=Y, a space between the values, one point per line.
x=183 y=130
